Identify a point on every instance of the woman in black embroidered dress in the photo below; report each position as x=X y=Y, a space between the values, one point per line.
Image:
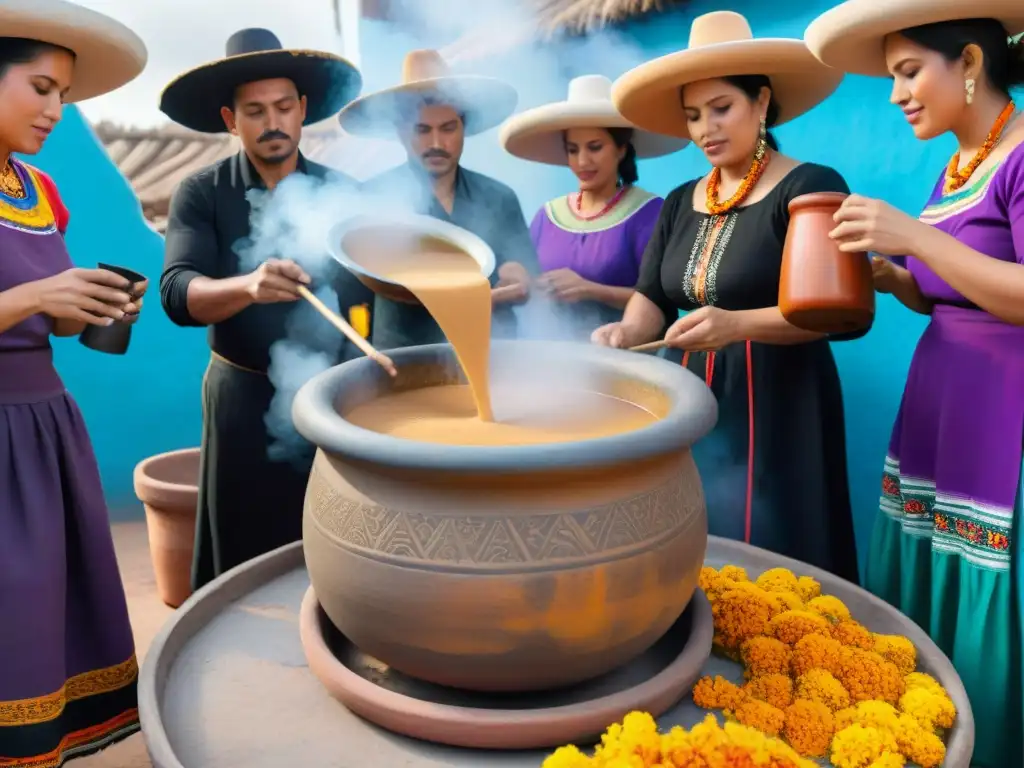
x=774 y=469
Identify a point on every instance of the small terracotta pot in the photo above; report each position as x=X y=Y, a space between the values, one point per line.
x=168 y=487
x=822 y=289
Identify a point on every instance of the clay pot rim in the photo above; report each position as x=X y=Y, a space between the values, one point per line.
x=490 y=728
x=693 y=414
x=150 y=489
x=816 y=199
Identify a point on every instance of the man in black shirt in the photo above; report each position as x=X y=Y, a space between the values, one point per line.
x=249 y=502
x=432 y=112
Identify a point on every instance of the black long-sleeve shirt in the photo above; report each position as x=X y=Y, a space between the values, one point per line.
x=209 y=215
x=484 y=206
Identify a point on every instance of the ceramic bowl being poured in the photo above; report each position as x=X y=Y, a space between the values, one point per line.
x=362 y=243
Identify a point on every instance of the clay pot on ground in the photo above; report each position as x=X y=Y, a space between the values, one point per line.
x=506 y=568
x=821 y=288
x=168 y=487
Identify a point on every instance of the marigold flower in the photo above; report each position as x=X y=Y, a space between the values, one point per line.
x=807 y=588
x=831 y=608
x=817 y=652
x=765 y=656
x=933 y=709
x=789 y=601
x=734 y=572
x=856 y=635
x=718 y=693
x=714 y=583
x=567 y=757
x=870 y=714
x=897 y=649
x=741 y=613
x=866 y=675
x=791 y=626
x=923 y=680
x=776 y=689
x=809 y=727
x=778 y=580
x=919 y=745
x=857 y=747
x=761 y=715
x=819 y=685
x=889 y=760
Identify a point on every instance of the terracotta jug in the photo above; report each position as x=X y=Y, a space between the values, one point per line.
x=821 y=288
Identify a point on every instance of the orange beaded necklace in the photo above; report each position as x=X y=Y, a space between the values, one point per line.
x=753 y=175
x=956 y=177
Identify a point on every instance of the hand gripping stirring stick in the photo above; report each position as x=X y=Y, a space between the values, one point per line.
x=353 y=335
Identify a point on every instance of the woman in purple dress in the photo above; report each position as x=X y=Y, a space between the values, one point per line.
x=589 y=243
x=945 y=548
x=67 y=657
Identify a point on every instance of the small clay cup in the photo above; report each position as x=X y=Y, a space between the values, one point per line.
x=114 y=338
x=821 y=288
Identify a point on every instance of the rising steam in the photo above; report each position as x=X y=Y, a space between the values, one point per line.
x=294 y=221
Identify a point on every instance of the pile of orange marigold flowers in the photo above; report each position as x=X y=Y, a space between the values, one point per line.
x=636 y=743
x=817 y=685
x=819 y=679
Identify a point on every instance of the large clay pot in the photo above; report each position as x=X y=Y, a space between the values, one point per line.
x=821 y=288
x=506 y=568
x=168 y=487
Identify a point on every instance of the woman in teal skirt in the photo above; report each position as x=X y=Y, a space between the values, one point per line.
x=944 y=549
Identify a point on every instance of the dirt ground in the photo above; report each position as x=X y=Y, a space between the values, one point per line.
x=147 y=614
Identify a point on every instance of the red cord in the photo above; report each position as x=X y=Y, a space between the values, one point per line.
x=750 y=442
x=709 y=373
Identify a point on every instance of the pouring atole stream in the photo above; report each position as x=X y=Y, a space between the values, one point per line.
x=448 y=283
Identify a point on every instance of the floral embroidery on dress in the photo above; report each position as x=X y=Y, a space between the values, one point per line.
x=979 y=533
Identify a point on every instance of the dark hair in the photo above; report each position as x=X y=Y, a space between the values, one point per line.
x=21 y=50
x=1002 y=58
x=622 y=137
x=751 y=85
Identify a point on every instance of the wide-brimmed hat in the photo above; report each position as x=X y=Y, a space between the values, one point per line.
x=107 y=53
x=538 y=134
x=195 y=98
x=851 y=36
x=722 y=45
x=484 y=102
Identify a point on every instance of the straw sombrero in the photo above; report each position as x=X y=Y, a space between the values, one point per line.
x=195 y=98
x=538 y=134
x=722 y=45
x=484 y=101
x=851 y=36
x=107 y=53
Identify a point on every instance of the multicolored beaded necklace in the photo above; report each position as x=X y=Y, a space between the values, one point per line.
x=578 y=208
x=956 y=177
x=757 y=167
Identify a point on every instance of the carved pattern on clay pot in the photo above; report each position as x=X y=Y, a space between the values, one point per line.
x=626 y=525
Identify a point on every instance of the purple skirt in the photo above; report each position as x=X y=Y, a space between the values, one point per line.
x=67 y=657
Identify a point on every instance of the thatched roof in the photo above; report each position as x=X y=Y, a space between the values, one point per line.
x=581 y=16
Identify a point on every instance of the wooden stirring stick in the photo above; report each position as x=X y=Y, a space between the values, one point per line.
x=353 y=335
x=650 y=346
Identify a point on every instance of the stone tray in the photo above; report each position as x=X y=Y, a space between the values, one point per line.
x=225 y=683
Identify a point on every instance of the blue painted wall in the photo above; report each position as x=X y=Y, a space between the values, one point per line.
x=856 y=131
x=146 y=401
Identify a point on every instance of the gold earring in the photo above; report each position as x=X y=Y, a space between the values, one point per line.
x=762 y=141
x=969 y=88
